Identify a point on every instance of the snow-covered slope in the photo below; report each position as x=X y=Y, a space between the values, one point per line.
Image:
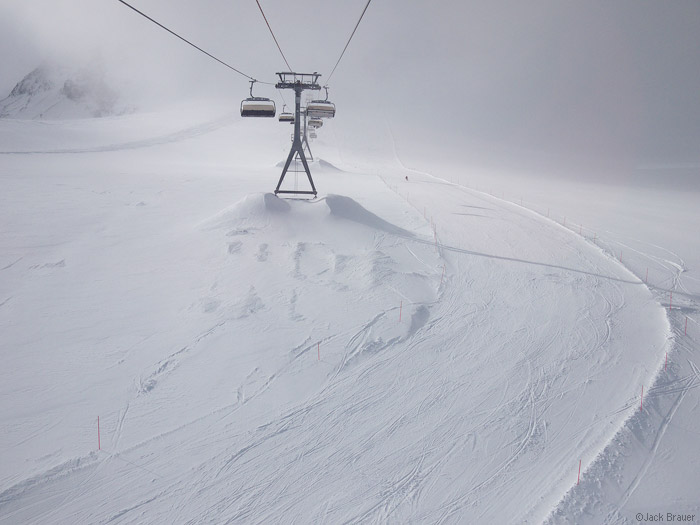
x=55 y=92
x=393 y=350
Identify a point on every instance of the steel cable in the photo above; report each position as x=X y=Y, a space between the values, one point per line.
x=191 y=44
x=349 y=39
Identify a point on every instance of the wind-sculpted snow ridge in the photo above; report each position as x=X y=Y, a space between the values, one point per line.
x=252 y=208
x=315 y=165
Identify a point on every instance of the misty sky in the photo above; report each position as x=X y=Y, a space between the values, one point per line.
x=586 y=79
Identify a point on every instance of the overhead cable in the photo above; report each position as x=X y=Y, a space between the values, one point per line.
x=273 y=35
x=190 y=43
x=348 y=43
x=282 y=95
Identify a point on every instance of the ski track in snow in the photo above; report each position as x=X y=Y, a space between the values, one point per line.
x=177 y=136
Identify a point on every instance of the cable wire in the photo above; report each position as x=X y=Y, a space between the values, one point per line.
x=273 y=35
x=348 y=43
x=282 y=95
x=190 y=43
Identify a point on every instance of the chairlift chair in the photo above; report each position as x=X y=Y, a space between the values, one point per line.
x=286 y=116
x=321 y=108
x=315 y=123
x=313 y=135
x=257 y=106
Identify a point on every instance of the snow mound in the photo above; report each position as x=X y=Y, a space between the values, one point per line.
x=327 y=165
x=54 y=92
x=259 y=210
x=349 y=209
x=314 y=164
x=255 y=207
x=261 y=204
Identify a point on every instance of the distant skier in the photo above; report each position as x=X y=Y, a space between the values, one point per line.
x=406 y=178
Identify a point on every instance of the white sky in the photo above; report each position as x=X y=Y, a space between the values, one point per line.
x=584 y=79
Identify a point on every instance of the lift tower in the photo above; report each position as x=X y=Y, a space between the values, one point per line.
x=305 y=136
x=298 y=82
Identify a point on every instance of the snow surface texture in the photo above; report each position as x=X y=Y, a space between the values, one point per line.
x=406 y=351
x=53 y=92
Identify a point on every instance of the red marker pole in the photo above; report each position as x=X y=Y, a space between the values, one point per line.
x=99 y=447
x=579 y=472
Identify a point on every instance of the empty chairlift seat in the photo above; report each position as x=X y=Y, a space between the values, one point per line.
x=287 y=117
x=315 y=123
x=258 y=107
x=320 y=109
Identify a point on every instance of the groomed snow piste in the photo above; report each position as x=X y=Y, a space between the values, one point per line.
x=403 y=351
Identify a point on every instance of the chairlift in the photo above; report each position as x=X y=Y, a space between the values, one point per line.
x=286 y=116
x=313 y=135
x=257 y=106
x=321 y=108
x=315 y=123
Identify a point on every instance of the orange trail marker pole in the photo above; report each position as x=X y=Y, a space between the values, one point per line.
x=579 y=472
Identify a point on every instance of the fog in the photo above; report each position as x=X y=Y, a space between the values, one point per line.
x=543 y=85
